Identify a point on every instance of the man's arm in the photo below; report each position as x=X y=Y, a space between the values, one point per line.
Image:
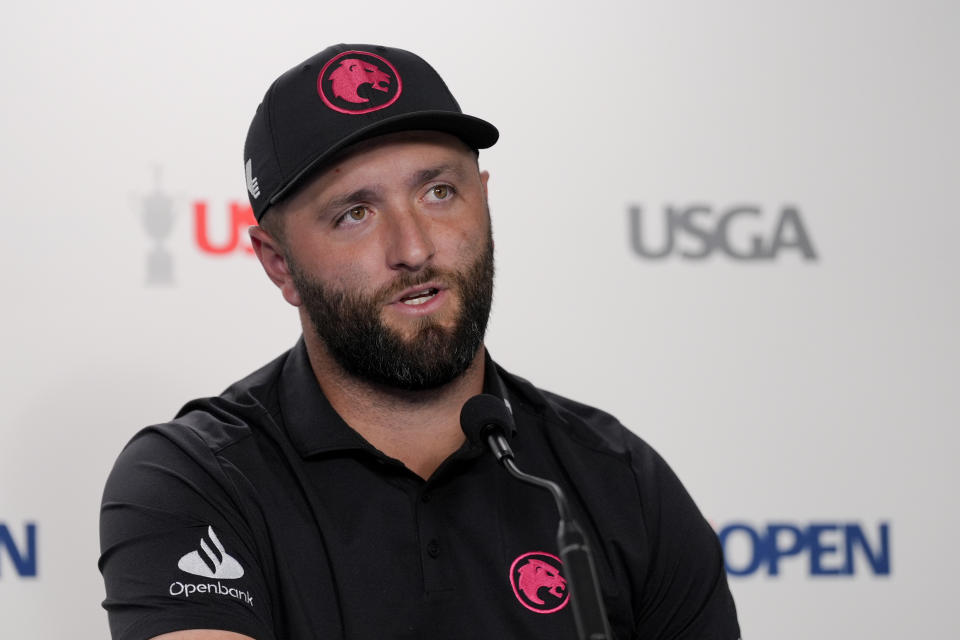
x=177 y=550
x=685 y=591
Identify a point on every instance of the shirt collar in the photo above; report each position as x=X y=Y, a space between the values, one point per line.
x=313 y=424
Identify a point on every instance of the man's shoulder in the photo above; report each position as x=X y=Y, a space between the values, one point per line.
x=205 y=440
x=583 y=424
x=216 y=423
x=248 y=405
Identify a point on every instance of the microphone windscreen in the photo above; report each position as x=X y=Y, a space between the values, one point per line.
x=482 y=414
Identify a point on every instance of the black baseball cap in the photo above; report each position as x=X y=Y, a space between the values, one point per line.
x=345 y=94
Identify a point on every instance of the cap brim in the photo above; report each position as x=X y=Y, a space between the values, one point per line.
x=477 y=133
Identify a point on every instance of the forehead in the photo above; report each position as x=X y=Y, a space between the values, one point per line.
x=387 y=156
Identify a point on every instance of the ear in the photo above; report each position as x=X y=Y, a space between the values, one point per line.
x=484 y=177
x=272 y=257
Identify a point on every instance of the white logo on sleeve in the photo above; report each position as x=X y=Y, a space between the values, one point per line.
x=211 y=562
x=252 y=185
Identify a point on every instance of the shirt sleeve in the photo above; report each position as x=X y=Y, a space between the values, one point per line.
x=685 y=594
x=176 y=550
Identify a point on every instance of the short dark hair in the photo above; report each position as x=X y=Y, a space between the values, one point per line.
x=272 y=223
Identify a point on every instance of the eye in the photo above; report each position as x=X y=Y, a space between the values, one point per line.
x=440 y=192
x=353 y=216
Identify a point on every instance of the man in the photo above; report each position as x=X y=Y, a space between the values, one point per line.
x=332 y=493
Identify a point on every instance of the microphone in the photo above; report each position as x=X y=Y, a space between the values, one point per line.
x=486 y=419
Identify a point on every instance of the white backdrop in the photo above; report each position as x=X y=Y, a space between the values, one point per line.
x=787 y=390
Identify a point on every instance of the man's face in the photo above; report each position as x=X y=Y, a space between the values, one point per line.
x=391 y=255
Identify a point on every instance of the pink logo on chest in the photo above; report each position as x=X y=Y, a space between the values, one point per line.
x=538 y=583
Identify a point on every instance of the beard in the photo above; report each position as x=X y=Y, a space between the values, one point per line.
x=351 y=327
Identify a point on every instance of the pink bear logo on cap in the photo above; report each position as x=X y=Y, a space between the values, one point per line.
x=341 y=81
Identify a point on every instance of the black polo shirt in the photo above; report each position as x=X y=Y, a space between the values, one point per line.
x=261 y=511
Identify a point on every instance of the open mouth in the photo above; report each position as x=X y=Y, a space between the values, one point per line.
x=419 y=297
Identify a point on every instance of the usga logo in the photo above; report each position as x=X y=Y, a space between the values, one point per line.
x=217 y=231
x=211 y=560
x=740 y=232
x=239 y=218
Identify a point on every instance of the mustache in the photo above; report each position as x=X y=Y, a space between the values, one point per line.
x=408 y=279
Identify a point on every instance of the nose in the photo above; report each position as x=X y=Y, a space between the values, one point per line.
x=410 y=246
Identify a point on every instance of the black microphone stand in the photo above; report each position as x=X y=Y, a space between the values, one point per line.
x=588 y=611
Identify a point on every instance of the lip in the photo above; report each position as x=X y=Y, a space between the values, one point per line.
x=427 y=307
x=416 y=288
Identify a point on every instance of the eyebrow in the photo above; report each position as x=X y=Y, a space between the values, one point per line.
x=429 y=174
x=354 y=196
x=370 y=193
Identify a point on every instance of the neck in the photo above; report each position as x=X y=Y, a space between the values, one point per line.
x=419 y=428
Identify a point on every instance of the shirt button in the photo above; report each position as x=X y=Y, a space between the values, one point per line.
x=425 y=497
x=433 y=548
